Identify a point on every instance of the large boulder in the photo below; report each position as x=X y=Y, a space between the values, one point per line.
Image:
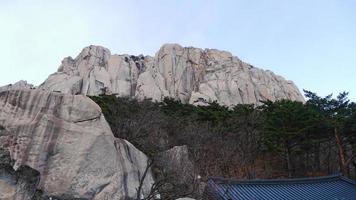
x=175 y=166
x=67 y=140
x=189 y=74
x=176 y=162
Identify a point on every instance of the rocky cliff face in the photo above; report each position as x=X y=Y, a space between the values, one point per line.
x=189 y=74
x=67 y=140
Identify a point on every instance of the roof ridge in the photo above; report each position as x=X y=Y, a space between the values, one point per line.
x=348 y=180
x=283 y=181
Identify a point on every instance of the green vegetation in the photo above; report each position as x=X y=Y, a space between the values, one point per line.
x=277 y=139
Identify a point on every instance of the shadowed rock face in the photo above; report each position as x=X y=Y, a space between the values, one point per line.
x=189 y=74
x=177 y=164
x=66 y=138
x=16 y=185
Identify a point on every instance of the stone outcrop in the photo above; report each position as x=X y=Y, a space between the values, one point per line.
x=176 y=162
x=17 y=86
x=95 y=71
x=182 y=174
x=189 y=74
x=68 y=141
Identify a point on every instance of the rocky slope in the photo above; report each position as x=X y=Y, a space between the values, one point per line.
x=68 y=141
x=189 y=74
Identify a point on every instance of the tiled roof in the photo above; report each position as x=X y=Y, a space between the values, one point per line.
x=334 y=187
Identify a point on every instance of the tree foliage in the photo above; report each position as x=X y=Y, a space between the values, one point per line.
x=275 y=139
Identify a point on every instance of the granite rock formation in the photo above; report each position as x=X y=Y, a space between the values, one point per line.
x=189 y=74
x=176 y=162
x=63 y=135
x=68 y=141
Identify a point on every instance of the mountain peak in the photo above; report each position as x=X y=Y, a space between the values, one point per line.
x=189 y=74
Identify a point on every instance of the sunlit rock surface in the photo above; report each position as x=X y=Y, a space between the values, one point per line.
x=189 y=74
x=17 y=86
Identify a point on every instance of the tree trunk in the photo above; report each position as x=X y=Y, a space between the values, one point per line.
x=289 y=162
x=317 y=156
x=329 y=156
x=342 y=161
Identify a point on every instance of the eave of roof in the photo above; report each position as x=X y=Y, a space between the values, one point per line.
x=334 y=177
x=320 y=188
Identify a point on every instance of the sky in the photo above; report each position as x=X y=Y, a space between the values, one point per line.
x=312 y=42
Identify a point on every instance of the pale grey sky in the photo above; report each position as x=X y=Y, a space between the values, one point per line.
x=311 y=42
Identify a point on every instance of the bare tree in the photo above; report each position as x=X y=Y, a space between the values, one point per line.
x=164 y=186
